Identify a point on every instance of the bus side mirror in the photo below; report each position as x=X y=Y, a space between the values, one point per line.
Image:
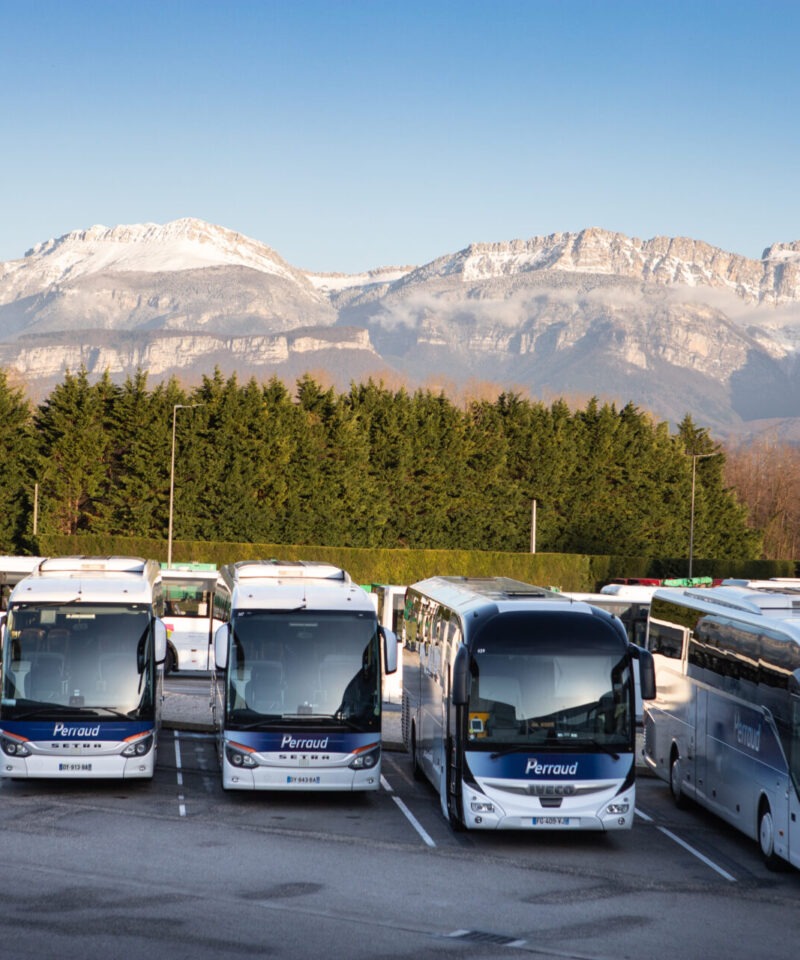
x=160 y=637
x=460 y=682
x=389 y=649
x=221 y=637
x=647 y=674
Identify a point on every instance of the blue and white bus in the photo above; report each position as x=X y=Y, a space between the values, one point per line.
x=81 y=682
x=522 y=711
x=298 y=679
x=724 y=728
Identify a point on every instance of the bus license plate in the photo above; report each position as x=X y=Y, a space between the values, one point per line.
x=75 y=767
x=552 y=821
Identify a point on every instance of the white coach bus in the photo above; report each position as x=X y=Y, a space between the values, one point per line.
x=522 y=711
x=298 y=680
x=724 y=728
x=197 y=602
x=81 y=685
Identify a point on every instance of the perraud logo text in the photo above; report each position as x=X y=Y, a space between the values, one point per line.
x=71 y=730
x=551 y=769
x=747 y=735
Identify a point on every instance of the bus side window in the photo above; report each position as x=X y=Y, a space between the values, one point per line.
x=667 y=641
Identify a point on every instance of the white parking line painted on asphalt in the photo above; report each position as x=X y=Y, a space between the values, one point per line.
x=181 y=804
x=696 y=853
x=408 y=814
x=688 y=847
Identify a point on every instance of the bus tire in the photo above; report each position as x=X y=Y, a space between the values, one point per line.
x=416 y=769
x=169 y=661
x=766 y=837
x=675 y=780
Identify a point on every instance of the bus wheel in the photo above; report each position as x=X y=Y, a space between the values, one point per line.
x=169 y=662
x=766 y=837
x=675 y=781
x=416 y=769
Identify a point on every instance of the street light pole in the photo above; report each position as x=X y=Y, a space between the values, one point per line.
x=175 y=409
x=695 y=457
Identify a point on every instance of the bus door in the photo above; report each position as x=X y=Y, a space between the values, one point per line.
x=794 y=784
x=453 y=725
x=430 y=714
x=704 y=749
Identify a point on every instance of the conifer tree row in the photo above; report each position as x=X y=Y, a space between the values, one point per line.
x=370 y=467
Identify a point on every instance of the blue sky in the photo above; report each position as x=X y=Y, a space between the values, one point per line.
x=351 y=134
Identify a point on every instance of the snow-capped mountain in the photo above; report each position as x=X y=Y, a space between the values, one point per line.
x=673 y=324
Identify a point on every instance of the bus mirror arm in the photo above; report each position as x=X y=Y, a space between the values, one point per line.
x=647 y=672
x=460 y=682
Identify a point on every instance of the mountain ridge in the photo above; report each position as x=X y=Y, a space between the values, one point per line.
x=658 y=322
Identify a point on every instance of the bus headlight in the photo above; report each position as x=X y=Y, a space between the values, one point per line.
x=366 y=760
x=481 y=806
x=139 y=747
x=239 y=758
x=617 y=808
x=14 y=748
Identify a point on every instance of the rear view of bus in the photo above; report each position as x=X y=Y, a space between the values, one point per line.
x=81 y=685
x=196 y=604
x=522 y=713
x=298 y=680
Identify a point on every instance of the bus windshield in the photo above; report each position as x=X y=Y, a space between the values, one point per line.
x=562 y=681
x=188 y=597
x=304 y=665
x=77 y=658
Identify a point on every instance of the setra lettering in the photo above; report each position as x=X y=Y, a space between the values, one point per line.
x=303 y=743
x=70 y=730
x=551 y=769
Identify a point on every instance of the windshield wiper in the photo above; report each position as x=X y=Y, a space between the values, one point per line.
x=114 y=713
x=306 y=716
x=602 y=746
x=257 y=724
x=515 y=748
x=52 y=710
x=62 y=710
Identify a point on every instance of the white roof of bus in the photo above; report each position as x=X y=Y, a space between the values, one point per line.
x=104 y=588
x=776 y=585
x=743 y=599
x=88 y=580
x=629 y=591
x=169 y=574
x=272 y=570
x=468 y=593
x=307 y=595
x=18 y=564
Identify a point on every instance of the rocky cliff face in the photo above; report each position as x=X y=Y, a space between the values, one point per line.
x=672 y=324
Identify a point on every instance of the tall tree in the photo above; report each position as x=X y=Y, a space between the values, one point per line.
x=73 y=455
x=140 y=429
x=17 y=472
